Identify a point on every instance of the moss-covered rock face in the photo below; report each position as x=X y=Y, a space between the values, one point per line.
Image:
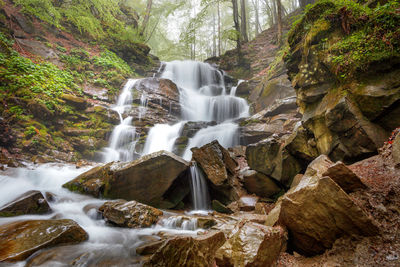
x=343 y=61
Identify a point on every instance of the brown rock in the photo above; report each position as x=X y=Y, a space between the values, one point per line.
x=76 y=101
x=396 y=150
x=260 y=184
x=145 y=180
x=252 y=244
x=31 y=202
x=344 y=177
x=21 y=239
x=215 y=162
x=318 y=211
x=130 y=214
x=219 y=207
x=188 y=251
x=149 y=248
x=247 y=203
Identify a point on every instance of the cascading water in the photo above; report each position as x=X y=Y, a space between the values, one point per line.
x=123 y=138
x=203 y=97
x=198 y=184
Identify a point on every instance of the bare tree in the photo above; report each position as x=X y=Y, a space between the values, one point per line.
x=280 y=27
x=219 y=29
x=146 y=16
x=243 y=30
x=237 y=26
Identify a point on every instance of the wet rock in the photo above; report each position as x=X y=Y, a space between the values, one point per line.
x=219 y=169
x=219 y=207
x=149 y=248
x=260 y=184
x=130 y=214
x=252 y=244
x=247 y=203
x=344 y=177
x=31 y=202
x=188 y=251
x=78 y=102
x=144 y=180
x=21 y=239
x=271 y=158
x=203 y=222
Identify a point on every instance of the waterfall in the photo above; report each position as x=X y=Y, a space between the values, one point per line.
x=199 y=190
x=123 y=138
x=203 y=97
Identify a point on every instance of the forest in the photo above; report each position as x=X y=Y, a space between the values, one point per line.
x=199 y=133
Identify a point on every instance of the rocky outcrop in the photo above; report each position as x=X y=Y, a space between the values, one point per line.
x=219 y=169
x=21 y=239
x=144 y=180
x=219 y=207
x=188 y=251
x=317 y=212
x=130 y=214
x=396 y=150
x=32 y=202
x=260 y=184
x=252 y=244
x=349 y=109
x=271 y=158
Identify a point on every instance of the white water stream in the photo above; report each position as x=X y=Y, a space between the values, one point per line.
x=203 y=97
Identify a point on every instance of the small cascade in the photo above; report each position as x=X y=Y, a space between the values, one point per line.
x=234 y=88
x=123 y=138
x=199 y=189
x=162 y=137
x=180 y=223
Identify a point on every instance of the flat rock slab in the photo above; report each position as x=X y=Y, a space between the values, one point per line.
x=130 y=214
x=21 y=239
x=31 y=202
x=145 y=180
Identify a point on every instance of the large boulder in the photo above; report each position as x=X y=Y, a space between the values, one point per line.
x=317 y=212
x=252 y=244
x=219 y=168
x=271 y=158
x=31 y=202
x=188 y=251
x=344 y=177
x=144 y=180
x=260 y=184
x=130 y=214
x=21 y=239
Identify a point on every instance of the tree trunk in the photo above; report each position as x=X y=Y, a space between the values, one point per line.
x=146 y=16
x=219 y=29
x=243 y=31
x=280 y=28
x=256 y=6
x=214 y=48
x=237 y=27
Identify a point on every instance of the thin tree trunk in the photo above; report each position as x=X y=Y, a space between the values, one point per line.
x=256 y=6
x=146 y=16
x=245 y=37
x=237 y=27
x=214 y=49
x=280 y=28
x=219 y=29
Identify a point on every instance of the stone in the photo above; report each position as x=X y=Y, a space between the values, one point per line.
x=260 y=184
x=271 y=158
x=252 y=244
x=149 y=248
x=301 y=144
x=188 y=251
x=219 y=207
x=146 y=180
x=344 y=177
x=24 y=22
x=396 y=150
x=130 y=214
x=247 y=203
x=219 y=168
x=215 y=161
x=317 y=212
x=296 y=180
x=19 y=240
x=31 y=202
x=178 y=221
x=78 y=102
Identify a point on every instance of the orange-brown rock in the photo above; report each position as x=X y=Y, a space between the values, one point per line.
x=31 y=202
x=21 y=239
x=130 y=214
x=188 y=251
x=344 y=177
x=252 y=244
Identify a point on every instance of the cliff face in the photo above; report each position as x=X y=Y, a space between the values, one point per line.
x=61 y=65
x=343 y=62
